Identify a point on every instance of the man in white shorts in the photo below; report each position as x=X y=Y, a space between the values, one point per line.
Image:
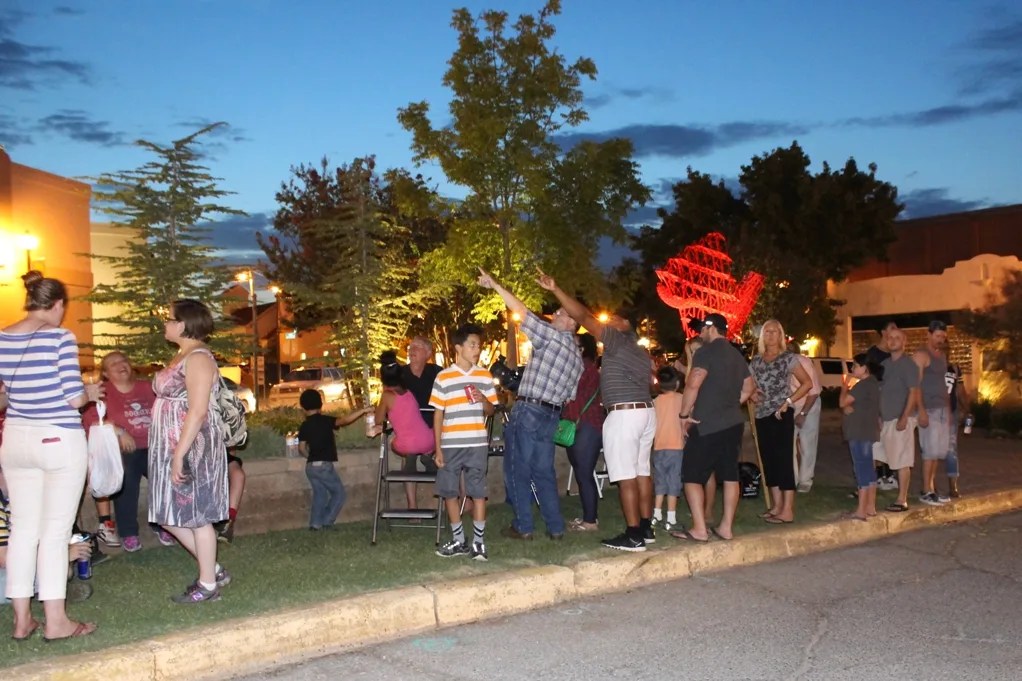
x=899 y=400
x=935 y=412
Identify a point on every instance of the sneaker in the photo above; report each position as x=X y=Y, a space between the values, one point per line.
x=131 y=544
x=672 y=526
x=166 y=538
x=649 y=535
x=223 y=578
x=226 y=532
x=930 y=499
x=623 y=542
x=453 y=549
x=653 y=521
x=479 y=551
x=196 y=594
x=942 y=498
x=107 y=534
x=887 y=484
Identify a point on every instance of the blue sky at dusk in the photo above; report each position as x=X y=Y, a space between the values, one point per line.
x=929 y=91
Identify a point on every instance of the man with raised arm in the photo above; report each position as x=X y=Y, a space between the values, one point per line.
x=630 y=425
x=549 y=380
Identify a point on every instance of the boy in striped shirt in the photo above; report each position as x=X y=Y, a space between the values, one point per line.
x=463 y=396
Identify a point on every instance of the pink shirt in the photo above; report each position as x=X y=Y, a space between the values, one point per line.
x=411 y=434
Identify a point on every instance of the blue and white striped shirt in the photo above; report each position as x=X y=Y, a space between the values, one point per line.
x=42 y=373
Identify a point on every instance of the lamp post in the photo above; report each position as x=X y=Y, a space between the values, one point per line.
x=276 y=297
x=29 y=242
x=249 y=276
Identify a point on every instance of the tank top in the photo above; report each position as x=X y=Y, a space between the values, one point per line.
x=933 y=386
x=411 y=434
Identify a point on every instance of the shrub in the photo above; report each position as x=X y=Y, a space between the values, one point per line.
x=1007 y=419
x=982 y=410
x=263 y=443
x=268 y=427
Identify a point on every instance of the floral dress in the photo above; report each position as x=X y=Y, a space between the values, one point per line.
x=202 y=498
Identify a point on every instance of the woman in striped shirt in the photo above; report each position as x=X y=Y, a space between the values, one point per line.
x=43 y=455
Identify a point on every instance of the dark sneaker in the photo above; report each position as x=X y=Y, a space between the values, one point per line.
x=623 y=542
x=511 y=533
x=479 y=551
x=223 y=578
x=942 y=498
x=452 y=549
x=226 y=532
x=196 y=594
x=649 y=535
x=930 y=499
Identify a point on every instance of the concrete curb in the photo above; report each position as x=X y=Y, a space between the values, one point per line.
x=252 y=643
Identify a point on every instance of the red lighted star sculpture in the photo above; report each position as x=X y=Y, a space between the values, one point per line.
x=698 y=282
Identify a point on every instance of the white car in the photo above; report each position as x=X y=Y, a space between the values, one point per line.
x=327 y=381
x=243 y=393
x=830 y=370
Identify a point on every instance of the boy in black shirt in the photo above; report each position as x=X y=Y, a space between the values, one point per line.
x=317 y=444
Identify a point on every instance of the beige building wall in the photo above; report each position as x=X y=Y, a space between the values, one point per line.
x=110 y=241
x=969 y=284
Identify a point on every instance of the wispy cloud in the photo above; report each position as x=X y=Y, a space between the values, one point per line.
x=76 y=125
x=686 y=140
x=612 y=94
x=65 y=11
x=994 y=57
x=13 y=132
x=921 y=203
x=28 y=67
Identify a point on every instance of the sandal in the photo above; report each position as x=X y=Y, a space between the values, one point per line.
x=579 y=525
x=768 y=514
x=895 y=507
x=83 y=629
x=32 y=629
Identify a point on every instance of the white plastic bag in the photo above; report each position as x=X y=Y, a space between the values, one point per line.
x=106 y=470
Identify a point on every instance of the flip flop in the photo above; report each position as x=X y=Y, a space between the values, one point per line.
x=774 y=520
x=895 y=507
x=31 y=632
x=848 y=515
x=716 y=533
x=768 y=514
x=686 y=535
x=83 y=629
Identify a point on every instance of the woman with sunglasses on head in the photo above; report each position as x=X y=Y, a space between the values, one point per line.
x=43 y=455
x=187 y=466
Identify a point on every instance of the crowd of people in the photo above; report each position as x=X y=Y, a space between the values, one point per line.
x=666 y=433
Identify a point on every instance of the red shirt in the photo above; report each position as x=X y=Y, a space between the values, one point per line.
x=132 y=411
x=588 y=385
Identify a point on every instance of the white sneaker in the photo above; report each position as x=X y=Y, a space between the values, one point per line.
x=887 y=484
x=108 y=535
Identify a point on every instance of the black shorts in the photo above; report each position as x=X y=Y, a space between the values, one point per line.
x=716 y=453
x=234 y=459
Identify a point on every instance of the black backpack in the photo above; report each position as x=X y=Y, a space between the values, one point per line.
x=749 y=479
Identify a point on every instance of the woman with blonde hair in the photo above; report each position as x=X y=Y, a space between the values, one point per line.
x=43 y=455
x=773 y=368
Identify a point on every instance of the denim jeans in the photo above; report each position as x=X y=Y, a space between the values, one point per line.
x=529 y=458
x=136 y=466
x=328 y=493
x=951 y=463
x=583 y=456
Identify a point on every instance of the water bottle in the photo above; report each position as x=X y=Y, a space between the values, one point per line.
x=969 y=420
x=291 y=445
x=83 y=566
x=370 y=424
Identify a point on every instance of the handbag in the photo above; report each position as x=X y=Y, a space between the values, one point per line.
x=565 y=433
x=231 y=412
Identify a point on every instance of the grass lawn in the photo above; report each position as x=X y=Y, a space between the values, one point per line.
x=298 y=567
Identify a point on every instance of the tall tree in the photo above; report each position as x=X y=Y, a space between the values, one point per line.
x=528 y=201
x=797 y=228
x=998 y=326
x=161 y=208
x=342 y=252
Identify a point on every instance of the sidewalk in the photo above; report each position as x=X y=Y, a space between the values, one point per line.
x=991 y=471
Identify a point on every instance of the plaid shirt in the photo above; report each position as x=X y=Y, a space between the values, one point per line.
x=556 y=365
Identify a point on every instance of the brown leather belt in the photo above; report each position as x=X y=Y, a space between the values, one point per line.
x=630 y=405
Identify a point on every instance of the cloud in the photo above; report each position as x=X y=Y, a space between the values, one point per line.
x=949 y=113
x=13 y=132
x=75 y=124
x=612 y=94
x=921 y=203
x=686 y=140
x=996 y=53
x=237 y=232
x=63 y=10
x=27 y=67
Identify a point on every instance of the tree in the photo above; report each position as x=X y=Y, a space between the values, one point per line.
x=796 y=228
x=166 y=256
x=528 y=201
x=342 y=251
x=998 y=326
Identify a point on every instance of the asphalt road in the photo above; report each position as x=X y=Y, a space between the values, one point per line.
x=941 y=603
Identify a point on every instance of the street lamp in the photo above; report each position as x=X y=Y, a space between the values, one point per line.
x=249 y=276
x=29 y=243
x=276 y=297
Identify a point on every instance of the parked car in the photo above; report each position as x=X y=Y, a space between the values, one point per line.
x=244 y=394
x=830 y=370
x=327 y=381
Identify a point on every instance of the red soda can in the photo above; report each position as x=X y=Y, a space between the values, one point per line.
x=470 y=395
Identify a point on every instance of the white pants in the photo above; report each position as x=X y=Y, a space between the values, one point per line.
x=628 y=442
x=808 y=442
x=45 y=469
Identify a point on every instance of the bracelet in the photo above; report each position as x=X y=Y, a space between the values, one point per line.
x=788 y=400
x=684 y=416
x=801 y=413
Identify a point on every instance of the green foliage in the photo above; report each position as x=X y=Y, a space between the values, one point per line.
x=167 y=256
x=344 y=254
x=998 y=326
x=263 y=442
x=268 y=427
x=528 y=203
x=797 y=228
x=1008 y=419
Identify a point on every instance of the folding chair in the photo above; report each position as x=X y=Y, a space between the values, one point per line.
x=601 y=477
x=384 y=511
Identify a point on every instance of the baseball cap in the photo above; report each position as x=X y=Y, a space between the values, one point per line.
x=717 y=320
